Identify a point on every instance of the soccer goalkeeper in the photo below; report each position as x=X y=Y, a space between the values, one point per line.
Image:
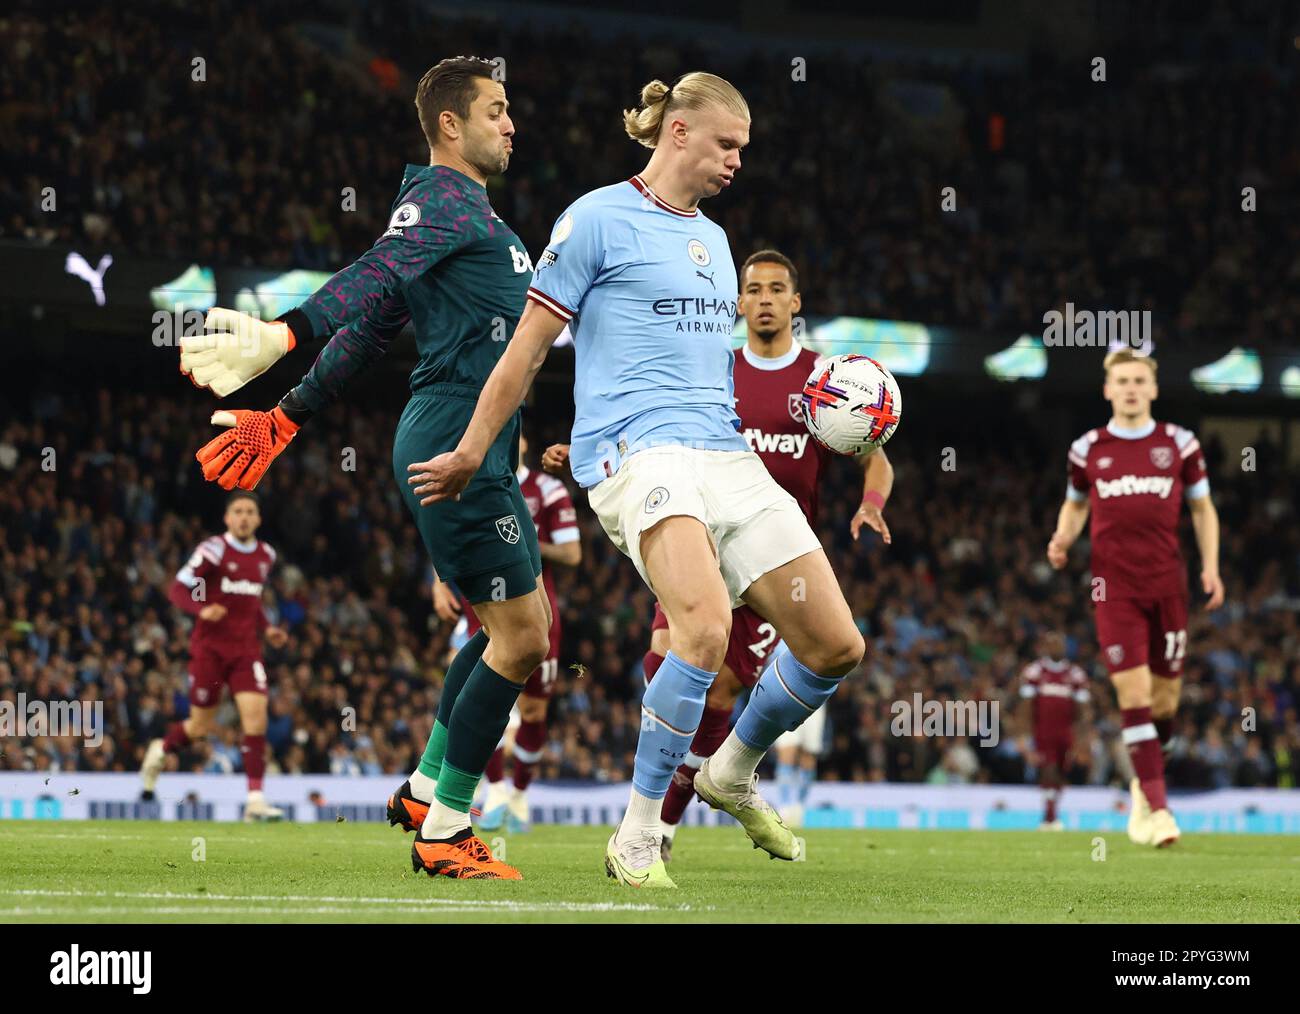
x=450 y=266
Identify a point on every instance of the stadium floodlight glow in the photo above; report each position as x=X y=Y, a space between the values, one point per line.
x=195 y=288
x=902 y=345
x=281 y=293
x=1239 y=370
x=1025 y=359
x=1290 y=381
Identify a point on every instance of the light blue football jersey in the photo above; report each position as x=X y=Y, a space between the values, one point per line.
x=649 y=292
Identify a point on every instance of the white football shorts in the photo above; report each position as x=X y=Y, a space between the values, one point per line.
x=754 y=524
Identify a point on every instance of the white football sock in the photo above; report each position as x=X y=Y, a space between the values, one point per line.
x=443 y=822
x=732 y=767
x=642 y=817
x=422 y=786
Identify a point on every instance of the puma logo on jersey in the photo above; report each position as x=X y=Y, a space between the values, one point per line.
x=1135 y=485
x=793 y=444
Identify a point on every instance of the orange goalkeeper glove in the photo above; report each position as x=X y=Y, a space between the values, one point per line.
x=240 y=456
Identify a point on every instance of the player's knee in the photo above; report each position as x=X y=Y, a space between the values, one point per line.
x=532 y=648
x=253 y=721
x=1132 y=688
x=702 y=639
x=533 y=641
x=1132 y=698
x=839 y=655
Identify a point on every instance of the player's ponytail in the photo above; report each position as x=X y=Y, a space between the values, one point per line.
x=642 y=124
x=691 y=91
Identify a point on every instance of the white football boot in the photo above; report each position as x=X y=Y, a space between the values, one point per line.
x=495 y=807
x=639 y=863
x=155 y=759
x=518 y=817
x=1163 y=829
x=763 y=824
x=258 y=809
x=1139 y=813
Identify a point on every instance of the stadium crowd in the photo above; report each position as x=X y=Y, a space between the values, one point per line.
x=1121 y=195
x=1124 y=195
x=101 y=502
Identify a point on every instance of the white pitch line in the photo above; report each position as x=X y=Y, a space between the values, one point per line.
x=240 y=910
x=73 y=837
x=440 y=904
x=212 y=836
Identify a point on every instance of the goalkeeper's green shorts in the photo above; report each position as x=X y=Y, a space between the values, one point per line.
x=485 y=542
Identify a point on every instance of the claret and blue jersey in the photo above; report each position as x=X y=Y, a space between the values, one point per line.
x=649 y=292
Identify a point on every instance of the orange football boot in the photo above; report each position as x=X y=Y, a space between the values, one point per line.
x=462 y=857
x=405 y=809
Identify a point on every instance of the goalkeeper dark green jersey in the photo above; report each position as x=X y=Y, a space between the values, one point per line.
x=448 y=264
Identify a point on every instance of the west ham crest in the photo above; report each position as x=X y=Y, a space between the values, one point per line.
x=795 y=404
x=508 y=528
x=1162 y=457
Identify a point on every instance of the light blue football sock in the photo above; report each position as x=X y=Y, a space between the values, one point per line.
x=805 y=783
x=783 y=698
x=670 y=714
x=787 y=780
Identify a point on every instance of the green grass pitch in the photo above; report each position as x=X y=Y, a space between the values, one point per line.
x=131 y=871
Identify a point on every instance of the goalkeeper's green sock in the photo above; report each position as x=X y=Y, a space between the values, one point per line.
x=480 y=718
x=426 y=775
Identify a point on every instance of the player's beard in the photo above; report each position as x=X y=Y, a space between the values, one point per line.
x=768 y=332
x=491 y=161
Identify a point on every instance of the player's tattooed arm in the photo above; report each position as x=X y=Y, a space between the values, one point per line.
x=877 y=483
x=1205 y=522
x=443 y=477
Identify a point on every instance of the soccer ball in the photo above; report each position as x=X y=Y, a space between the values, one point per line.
x=851 y=404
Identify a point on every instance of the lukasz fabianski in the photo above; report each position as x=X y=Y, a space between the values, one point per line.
x=102 y=968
